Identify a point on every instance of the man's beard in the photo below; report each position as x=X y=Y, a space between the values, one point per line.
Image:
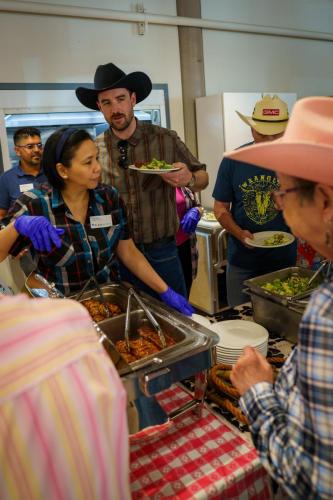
x=35 y=162
x=126 y=123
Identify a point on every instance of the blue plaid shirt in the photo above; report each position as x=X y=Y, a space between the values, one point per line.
x=85 y=250
x=292 y=421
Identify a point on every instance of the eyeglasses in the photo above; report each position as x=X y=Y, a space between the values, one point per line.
x=123 y=159
x=30 y=147
x=278 y=196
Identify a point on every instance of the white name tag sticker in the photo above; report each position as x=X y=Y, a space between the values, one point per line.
x=26 y=187
x=100 y=221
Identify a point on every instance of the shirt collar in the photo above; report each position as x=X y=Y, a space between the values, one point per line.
x=21 y=172
x=94 y=195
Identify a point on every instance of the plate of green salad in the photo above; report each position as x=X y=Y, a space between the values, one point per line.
x=270 y=239
x=153 y=167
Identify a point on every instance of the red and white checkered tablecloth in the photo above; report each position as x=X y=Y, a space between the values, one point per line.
x=195 y=458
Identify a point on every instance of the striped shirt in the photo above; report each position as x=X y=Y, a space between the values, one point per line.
x=63 y=423
x=85 y=250
x=150 y=202
x=292 y=421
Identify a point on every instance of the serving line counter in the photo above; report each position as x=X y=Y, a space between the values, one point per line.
x=191 y=454
x=202 y=458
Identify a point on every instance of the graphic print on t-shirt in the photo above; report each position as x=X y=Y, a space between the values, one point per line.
x=257 y=200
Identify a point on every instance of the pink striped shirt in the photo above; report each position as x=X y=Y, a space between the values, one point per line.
x=63 y=424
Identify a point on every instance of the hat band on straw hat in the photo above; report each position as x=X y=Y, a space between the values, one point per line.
x=270 y=121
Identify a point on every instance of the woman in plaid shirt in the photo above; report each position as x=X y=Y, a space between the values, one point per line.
x=292 y=419
x=75 y=224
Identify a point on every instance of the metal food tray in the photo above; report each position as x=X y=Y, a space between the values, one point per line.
x=191 y=354
x=254 y=284
x=279 y=314
x=112 y=292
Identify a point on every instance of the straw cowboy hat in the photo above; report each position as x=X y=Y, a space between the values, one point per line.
x=108 y=76
x=269 y=117
x=306 y=148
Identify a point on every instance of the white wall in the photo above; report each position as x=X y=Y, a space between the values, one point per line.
x=54 y=49
x=238 y=62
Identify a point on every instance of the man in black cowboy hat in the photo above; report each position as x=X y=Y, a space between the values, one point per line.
x=150 y=199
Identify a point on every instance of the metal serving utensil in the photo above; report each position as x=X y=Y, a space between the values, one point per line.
x=132 y=293
x=320 y=268
x=93 y=279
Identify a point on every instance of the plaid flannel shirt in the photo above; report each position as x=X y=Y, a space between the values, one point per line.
x=292 y=421
x=150 y=202
x=84 y=251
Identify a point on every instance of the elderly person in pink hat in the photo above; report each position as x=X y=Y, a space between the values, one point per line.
x=291 y=419
x=244 y=207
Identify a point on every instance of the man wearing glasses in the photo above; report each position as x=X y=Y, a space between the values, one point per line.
x=26 y=174
x=150 y=199
x=244 y=205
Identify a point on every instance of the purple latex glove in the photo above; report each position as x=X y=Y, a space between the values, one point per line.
x=190 y=220
x=39 y=230
x=177 y=301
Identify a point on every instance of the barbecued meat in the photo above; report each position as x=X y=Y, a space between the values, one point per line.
x=97 y=309
x=148 y=343
x=139 y=348
x=150 y=334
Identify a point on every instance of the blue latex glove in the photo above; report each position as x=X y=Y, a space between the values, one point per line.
x=177 y=301
x=39 y=230
x=190 y=220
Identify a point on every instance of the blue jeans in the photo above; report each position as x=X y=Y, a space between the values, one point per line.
x=165 y=261
x=234 y=280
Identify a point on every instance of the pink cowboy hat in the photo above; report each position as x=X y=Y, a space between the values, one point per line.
x=306 y=148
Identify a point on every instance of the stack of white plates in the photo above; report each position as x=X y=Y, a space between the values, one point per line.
x=235 y=335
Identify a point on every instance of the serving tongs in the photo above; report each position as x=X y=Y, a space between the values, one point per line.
x=320 y=268
x=94 y=280
x=132 y=293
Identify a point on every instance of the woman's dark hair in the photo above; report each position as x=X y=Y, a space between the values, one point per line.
x=52 y=155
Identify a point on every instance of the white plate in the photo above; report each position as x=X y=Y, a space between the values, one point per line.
x=153 y=170
x=201 y=320
x=231 y=360
x=223 y=350
x=237 y=333
x=209 y=217
x=259 y=239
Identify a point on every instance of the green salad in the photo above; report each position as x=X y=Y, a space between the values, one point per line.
x=288 y=287
x=276 y=239
x=156 y=165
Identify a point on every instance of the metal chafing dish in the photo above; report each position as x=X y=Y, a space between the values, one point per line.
x=280 y=314
x=192 y=355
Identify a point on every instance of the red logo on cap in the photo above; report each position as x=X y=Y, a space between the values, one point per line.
x=270 y=112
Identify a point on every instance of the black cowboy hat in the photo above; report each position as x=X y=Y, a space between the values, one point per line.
x=108 y=76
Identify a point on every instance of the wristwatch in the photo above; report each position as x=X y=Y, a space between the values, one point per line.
x=191 y=182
